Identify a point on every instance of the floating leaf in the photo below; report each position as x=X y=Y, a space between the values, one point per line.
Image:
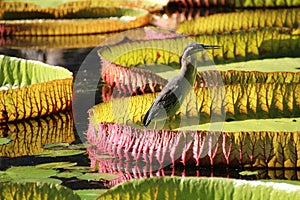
x=56 y=145
x=237 y=146
x=41 y=90
x=248 y=173
x=98 y=176
x=103 y=19
x=56 y=165
x=41 y=191
x=28 y=174
x=208 y=188
x=237 y=4
x=89 y=194
x=243 y=20
x=4 y=140
x=68 y=174
x=252 y=45
x=59 y=153
x=78 y=168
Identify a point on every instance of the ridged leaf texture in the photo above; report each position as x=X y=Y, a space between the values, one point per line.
x=28 y=137
x=243 y=20
x=32 y=89
x=238 y=3
x=201 y=188
x=38 y=191
x=72 y=21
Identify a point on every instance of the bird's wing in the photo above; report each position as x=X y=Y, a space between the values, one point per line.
x=167 y=101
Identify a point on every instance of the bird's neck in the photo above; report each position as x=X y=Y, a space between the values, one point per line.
x=189 y=72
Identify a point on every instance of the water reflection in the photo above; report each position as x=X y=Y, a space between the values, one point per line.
x=28 y=136
x=114 y=164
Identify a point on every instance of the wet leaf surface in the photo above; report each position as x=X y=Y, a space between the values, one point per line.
x=248 y=173
x=56 y=165
x=89 y=194
x=29 y=174
x=59 y=153
x=98 y=176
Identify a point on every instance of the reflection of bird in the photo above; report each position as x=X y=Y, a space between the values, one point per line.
x=168 y=102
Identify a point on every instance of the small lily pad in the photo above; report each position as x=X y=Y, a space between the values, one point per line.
x=98 y=176
x=28 y=174
x=248 y=173
x=4 y=140
x=60 y=153
x=56 y=165
x=79 y=168
x=56 y=145
x=69 y=174
x=89 y=194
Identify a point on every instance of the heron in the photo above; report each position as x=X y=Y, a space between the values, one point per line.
x=169 y=100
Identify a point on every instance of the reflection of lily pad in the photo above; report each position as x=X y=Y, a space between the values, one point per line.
x=194 y=188
x=40 y=191
x=32 y=89
x=60 y=153
x=29 y=136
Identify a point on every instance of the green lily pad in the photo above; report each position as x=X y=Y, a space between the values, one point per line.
x=4 y=140
x=55 y=165
x=69 y=174
x=248 y=173
x=60 y=153
x=198 y=188
x=28 y=174
x=41 y=191
x=89 y=194
x=31 y=87
x=56 y=145
x=78 y=168
x=98 y=176
x=43 y=4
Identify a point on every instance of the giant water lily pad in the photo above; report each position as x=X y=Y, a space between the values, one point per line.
x=259 y=108
x=198 y=188
x=39 y=191
x=243 y=20
x=31 y=5
x=32 y=89
x=70 y=21
x=52 y=42
x=238 y=3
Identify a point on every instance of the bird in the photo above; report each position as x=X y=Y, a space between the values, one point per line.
x=169 y=100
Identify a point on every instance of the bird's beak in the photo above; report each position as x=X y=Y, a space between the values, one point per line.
x=208 y=46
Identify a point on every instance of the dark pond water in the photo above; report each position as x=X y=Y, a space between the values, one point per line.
x=83 y=61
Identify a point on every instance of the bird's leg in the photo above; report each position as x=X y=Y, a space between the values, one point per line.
x=155 y=124
x=170 y=119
